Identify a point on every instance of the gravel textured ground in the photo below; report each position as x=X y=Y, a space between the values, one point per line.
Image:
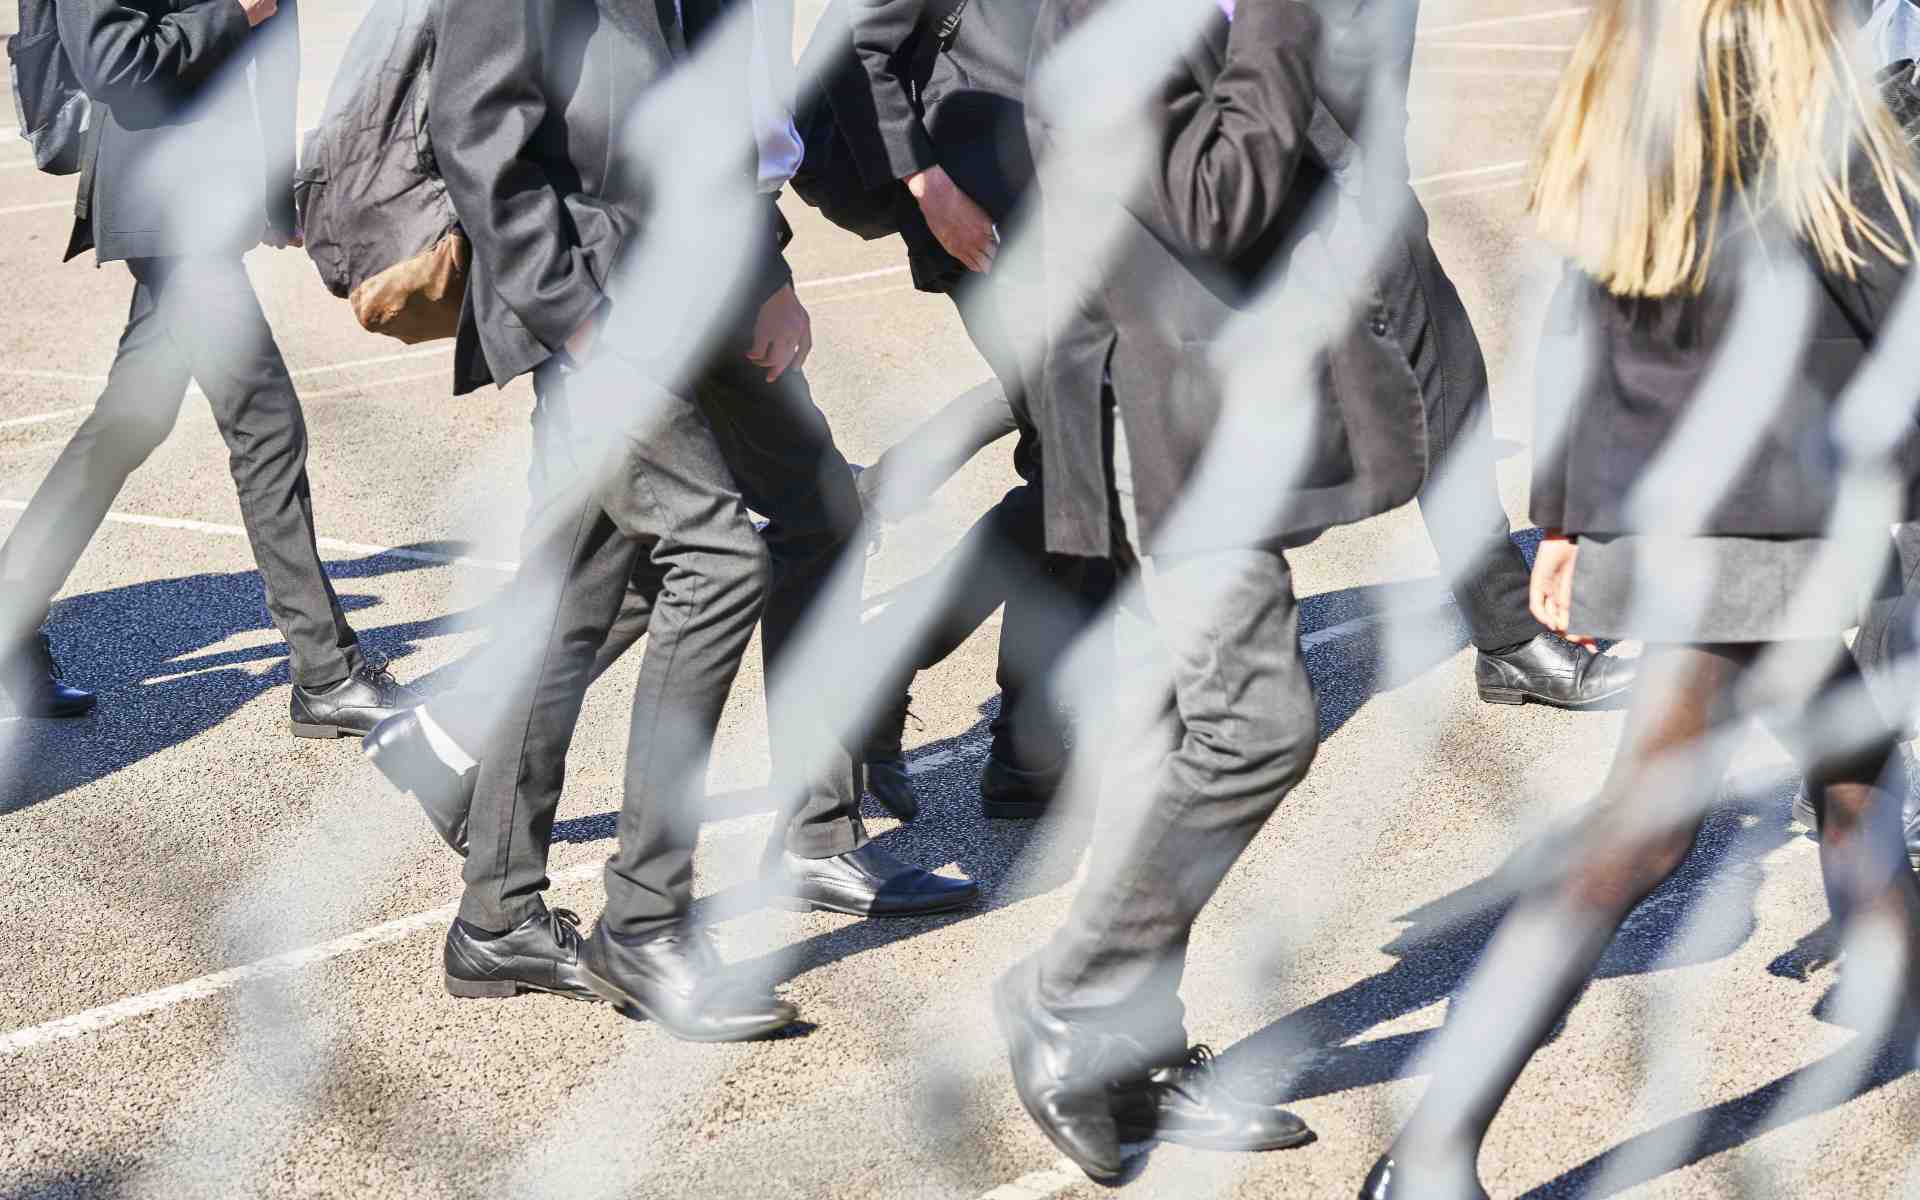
x=180 y=833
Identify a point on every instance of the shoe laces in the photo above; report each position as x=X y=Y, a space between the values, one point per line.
x=381 y=677
x=564 y=924
x=45 y=656
x=1200 y=1059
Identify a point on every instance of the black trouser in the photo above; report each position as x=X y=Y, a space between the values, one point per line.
x=1003 y=559
x=1461 y=500
x=191 y=320
x=1049 y=600
x=659 y=541
x=1216 y=722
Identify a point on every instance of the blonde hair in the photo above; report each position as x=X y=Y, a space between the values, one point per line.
x=1672 y=109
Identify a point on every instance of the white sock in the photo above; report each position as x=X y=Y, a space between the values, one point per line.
x=445 y=748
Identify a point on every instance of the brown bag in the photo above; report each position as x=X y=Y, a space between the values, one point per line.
x=417 y=300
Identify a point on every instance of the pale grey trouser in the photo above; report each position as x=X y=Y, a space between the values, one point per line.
x=1216 y=724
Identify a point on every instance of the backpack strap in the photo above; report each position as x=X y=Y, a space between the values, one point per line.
x=930 y=40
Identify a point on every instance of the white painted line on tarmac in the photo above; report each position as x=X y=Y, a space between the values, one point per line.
x=1518 y=164
x=325 y=543
x=38 y=418
x=194 y=389
x=1525 y=47
x=374 y=385
x=861 y=295
x=1492 y=22
x=27 y=208
x=856 y=278
x=1040 y=1185
x=322 y=394
x=939 y=758
x=1501 y=72
x=377 y=360
x=121 y=1011
x=1502 y=186
x=53 y=376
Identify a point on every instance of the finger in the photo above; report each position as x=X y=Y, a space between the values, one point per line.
x=779 y=360
x=806 y=349
x=757 y=352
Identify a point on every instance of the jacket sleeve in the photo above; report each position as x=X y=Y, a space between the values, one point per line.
x=276 y=92
x=774 y=273
x=143 y=67
x=1228 y=153
x=888 y=140
x=487 y=104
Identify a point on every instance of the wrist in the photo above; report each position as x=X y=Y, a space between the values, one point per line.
x=922 y=182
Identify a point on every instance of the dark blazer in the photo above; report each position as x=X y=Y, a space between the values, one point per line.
x=1636 y=367
x=190 y=157
x=525 y=113
x=1244 y=150
x=954 y=102
x=928 y=94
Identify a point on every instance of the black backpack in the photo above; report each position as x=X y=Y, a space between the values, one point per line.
x=379 y=224
x=829 y=179
x=46 y=91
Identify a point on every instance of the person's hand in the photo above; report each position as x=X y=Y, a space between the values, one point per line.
x=1550 y=594
x=580 y=342
x=782 y=334
x=962 y=227
x=258 y=10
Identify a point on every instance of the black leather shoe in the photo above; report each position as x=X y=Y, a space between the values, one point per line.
x=32 y=682
x=1550 y=671
x=1390 y=1181
x=887 y=763
x=398 y=746
x=351 y=707
x=1008 y=793
x=677 y=979
x=867 y=882
x=1804 y=813
x=541 y=954
x=1191 y=1105
x=1055 y=1073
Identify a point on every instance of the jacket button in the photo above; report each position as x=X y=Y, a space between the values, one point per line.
x=1379 y=325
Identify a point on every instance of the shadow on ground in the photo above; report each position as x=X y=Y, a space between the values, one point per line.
x=157 y=653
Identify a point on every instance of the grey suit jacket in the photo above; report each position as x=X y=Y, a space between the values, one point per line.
x=1246 y=150
x=190 y=157
x=526 y=114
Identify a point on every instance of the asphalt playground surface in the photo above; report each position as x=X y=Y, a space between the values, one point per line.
x=220 y=973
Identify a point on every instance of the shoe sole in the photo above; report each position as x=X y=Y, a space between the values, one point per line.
x=505 y=989
x=1517 y=696
x=322 y=733
x=628 y=1005
x=1004 y=1020
x=800 y=905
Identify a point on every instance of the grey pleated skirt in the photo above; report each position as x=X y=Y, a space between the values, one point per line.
x=1722 y=589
